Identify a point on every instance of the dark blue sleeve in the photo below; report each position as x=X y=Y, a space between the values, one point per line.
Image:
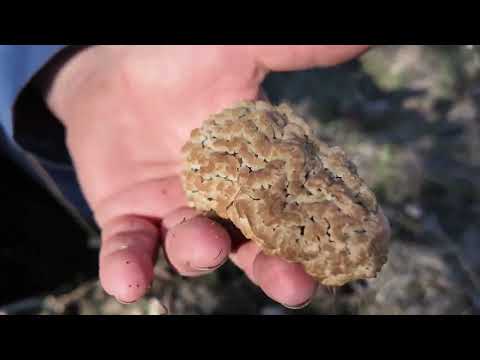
x=18 y=64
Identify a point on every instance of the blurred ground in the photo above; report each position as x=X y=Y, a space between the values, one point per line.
x=410 y=118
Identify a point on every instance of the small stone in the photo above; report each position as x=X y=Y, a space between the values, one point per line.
x=414 y=211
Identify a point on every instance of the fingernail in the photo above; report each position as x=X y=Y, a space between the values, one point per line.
x=211 y=268
x=298 y=307
x=125 y=302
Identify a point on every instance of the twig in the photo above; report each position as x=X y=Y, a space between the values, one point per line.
x=25 y=306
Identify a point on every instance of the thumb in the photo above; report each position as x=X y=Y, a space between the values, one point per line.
x=300 y=57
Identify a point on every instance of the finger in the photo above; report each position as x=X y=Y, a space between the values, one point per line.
x=129 y=247
x=243 y=252
x=196 y=246
x=284 y=282
x=150 y=199
x=299 y=57
x=179 y=216
x=176 y=217
x=244 y=258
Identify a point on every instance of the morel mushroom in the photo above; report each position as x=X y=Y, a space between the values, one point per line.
x=261 y=167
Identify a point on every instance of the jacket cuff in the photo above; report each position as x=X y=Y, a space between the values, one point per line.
x=19 y=64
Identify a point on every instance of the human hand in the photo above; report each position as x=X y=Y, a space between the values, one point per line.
x=127 y=111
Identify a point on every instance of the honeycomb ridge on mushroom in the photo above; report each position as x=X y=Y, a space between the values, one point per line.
x=261 y=167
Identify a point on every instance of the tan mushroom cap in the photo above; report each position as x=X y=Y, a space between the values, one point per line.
x=261 y=167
